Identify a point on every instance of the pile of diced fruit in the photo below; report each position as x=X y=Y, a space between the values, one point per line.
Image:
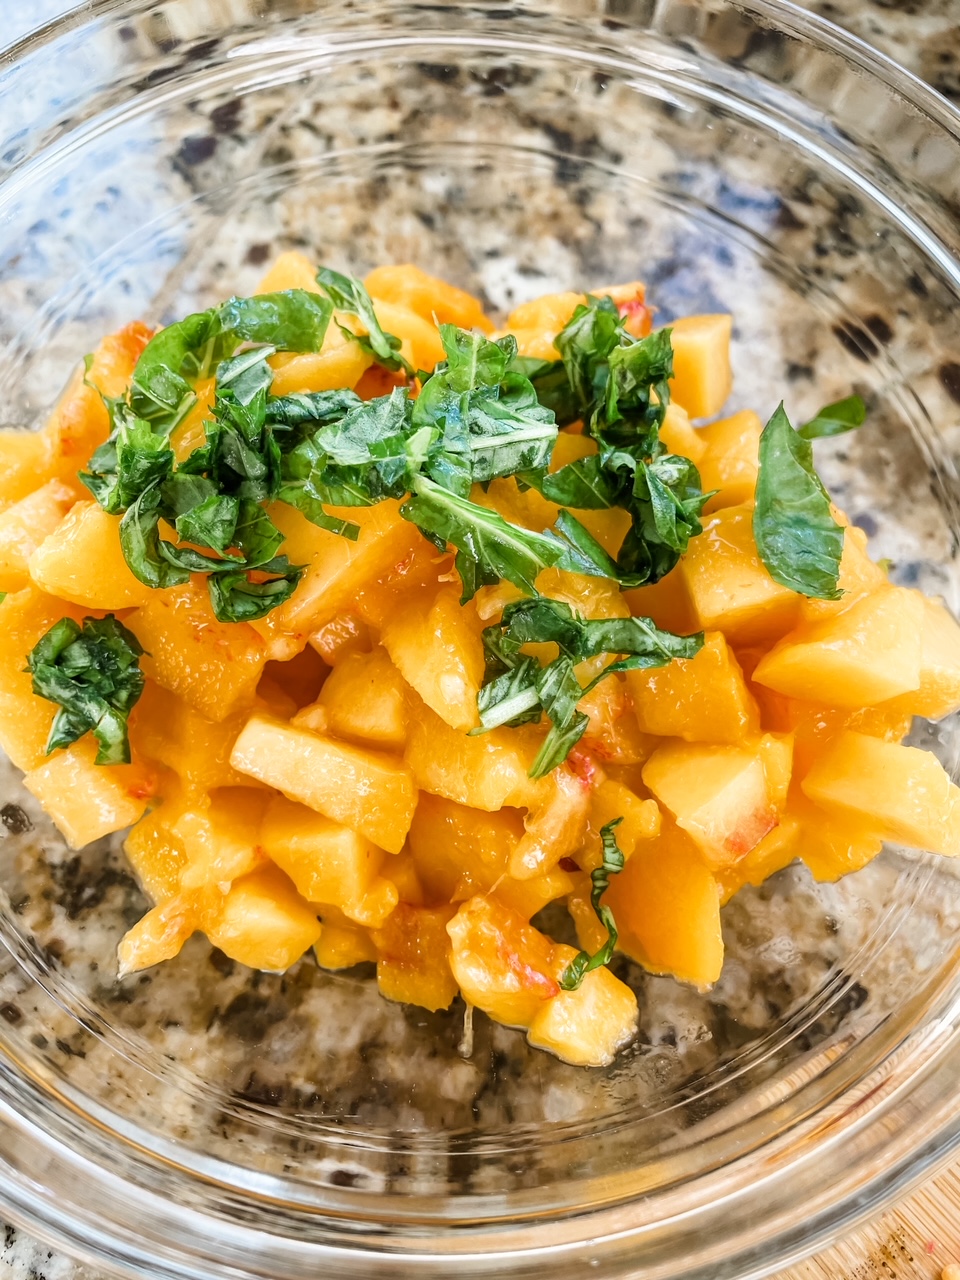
x=295 y=592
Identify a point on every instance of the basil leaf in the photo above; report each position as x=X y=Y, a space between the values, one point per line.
x=350 y=295
x=834 y=419
x=511 y=698
x=247 y=374
x=310 y=408
x=510 y=552
x=291 y=320
x=797 y=538
x=585 y=344
x=211 y=523
x=93 y=674
x=140 y=543
x=587 y=484
x=551 y=385
x=235 y=598
x=559 y=692
x=612 y=864
x=631 y=415
x=302 y=495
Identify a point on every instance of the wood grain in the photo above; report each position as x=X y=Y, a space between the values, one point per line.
x=913 y=1240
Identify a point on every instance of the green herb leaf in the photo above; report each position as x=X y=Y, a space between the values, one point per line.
x=587 y=484
x=93 y=674
x=797 y=538
x=494 y=544
x=517 y=689
x=612 y=864
x=350 y=295
x=834 y=419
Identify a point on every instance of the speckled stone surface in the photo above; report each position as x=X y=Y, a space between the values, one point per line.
x=925 y=37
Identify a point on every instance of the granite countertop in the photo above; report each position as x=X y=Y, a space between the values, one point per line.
x=924 y=35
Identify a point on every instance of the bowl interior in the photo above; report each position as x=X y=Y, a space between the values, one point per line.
x=694 y=151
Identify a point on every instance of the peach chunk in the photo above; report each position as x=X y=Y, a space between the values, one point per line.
x=364 y=699
x=214 y=666
x=221 y=840
x=730 y=464
x=25 y=719
x=170 y=731
x=408 y=286
x=459 y=851
x=774 y=852
x=666 y=904
x=87 y=800
x=610 y=800
x=328 y=862
x=730 y=589
x=555 y=827
x=435 y=644
x=502 y=964
x=87 y=536
x=370 y=792
x=667 y=602
x=263 y=922
x=700 y=699
x=26 y=462
x=586 y=1027
x=724 y=797
x=486 y=772
x=342 y=945
x=337 y=567
x=939 y=691
x=412 y=957
x=702 y=377
x=682 y=438
x=859 y=575
x=832 y=844
x=155 y=852
x=869 y=653
x=900 y=793
x=23 y=527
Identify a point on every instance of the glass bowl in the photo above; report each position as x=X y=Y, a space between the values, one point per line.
x=200 y=1120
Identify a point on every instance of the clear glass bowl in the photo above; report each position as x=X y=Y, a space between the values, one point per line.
x=199 y=1120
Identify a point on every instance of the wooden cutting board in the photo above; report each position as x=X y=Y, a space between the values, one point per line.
x=913 y=1240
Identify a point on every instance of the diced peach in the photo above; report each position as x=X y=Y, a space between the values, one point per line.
x=730 y=463
x=402 y=872
x=667 y=907
x=337 y=567
x=527 y=897
x=813 y=726
x=555 y=827
x=859 y=575
x=419 y=338
x=721 y=796
x=263 y=922
x=168 y=730
x=24 y=525
x=681 y=437
x=939 y=692
x=412 y=957
x=25 y=719
x=728 y=586
x=700 y=699
x=436 y=646
x=867 y=654
x=221 y=841
x=502 y=964
x=156 y=854
x=613 y=734
x=344 y=634
x=364 y=700
x=290 y=270
x=667 y=602
x=535 y=324
x=774 y=852
x=608 y=801
x=335 y=365
x=191 y=432
x=116 y=356
x=214 y=666
x=328 y=862
x=486 y=772
x=342 y=945
x=702 y=378
x=300 y=678
x=590 y=1025
x=370 y=792
x=87 y=536
x=26 y=462
x=459 y=851
x=407 y=286
x=900 y=793
x=159 y=935
x=832 y=844
x=87 y=800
